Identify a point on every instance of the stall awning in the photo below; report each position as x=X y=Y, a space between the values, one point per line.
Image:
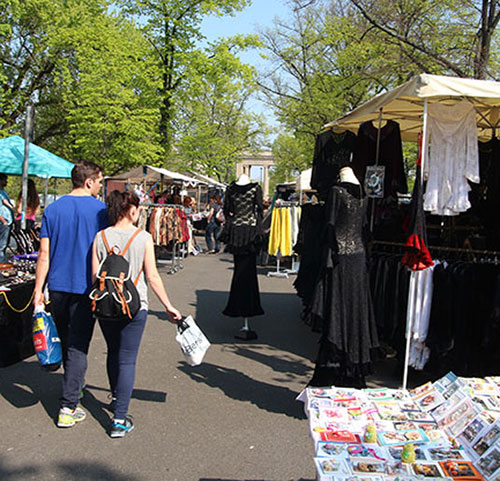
x=150 y=173
x=209 y=180
x=405 y=104
x=42 y=163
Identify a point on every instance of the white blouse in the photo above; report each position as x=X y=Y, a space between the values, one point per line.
x=453 y=158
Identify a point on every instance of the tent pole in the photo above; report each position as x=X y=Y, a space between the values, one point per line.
x=425 y=140
x=377 y=155
x=46 y=192
x=27 y=133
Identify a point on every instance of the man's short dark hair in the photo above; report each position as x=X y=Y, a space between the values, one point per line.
x=84 y=170
x=3 y=176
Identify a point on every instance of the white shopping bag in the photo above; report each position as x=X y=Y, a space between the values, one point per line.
x=193 y=342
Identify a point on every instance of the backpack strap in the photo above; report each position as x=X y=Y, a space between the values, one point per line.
x=105 y=242
x=138 y=276
x=132 y=237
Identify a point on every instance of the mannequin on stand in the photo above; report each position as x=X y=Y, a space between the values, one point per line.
x=242 y=235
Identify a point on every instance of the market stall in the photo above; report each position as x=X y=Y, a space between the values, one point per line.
x=459 y=197
x=17 y=277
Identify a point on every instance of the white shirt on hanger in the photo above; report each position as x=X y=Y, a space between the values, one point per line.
x=453 y=158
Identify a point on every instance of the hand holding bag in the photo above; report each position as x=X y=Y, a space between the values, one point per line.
x=192 y=341
x=46 y=340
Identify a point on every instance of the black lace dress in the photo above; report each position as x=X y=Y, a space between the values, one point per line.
x=332 y=151
x=242 y=235
x=342 y=300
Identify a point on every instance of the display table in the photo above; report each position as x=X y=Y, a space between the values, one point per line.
x=449 y=429
x=15 y=328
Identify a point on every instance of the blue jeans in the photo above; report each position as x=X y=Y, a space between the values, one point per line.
x=123 y=339
x=74 y=313
x=4 y=239
x=213 y=229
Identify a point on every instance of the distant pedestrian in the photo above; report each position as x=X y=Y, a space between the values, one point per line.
x=123 y=338
x=214 y=225
x=6 y=217
x=32 y=205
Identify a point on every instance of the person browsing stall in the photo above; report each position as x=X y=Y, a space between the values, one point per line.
x=32 y=205
x=6 y=217
x=123 y=337
x=69 y=226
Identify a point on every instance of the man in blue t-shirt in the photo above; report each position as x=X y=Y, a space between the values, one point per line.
x=69 y=227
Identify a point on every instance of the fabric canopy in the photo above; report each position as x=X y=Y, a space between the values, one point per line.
x=405 y=104
x=150 y=173
x=209 y=180
x=41 y=162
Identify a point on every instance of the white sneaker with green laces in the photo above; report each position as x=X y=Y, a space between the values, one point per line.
x=68 y=418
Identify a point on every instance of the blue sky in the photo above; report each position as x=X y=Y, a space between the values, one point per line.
x=259 y=15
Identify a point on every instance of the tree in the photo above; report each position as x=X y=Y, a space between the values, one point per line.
x=214 y=126
x=455 y=36
x=173 y=29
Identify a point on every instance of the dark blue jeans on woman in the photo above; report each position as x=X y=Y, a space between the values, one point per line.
x=123 y=340
x=213 y=229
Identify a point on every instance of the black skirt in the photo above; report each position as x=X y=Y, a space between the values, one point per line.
x=244 y=298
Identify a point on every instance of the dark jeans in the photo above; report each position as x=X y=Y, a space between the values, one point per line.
x=213 y=229
x=75 y=325
x=123 y=339
x=4 y=240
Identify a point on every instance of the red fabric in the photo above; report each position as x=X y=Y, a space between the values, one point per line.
x=417 y=257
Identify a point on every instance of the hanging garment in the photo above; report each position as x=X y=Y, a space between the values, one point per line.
x=390 y=155
x=453 y=158
x=242 y=231
x=417 y=256
x=280 y=237
x=331 y=152
x=342 y=297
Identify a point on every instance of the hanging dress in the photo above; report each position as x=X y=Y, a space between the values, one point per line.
x=342 y=300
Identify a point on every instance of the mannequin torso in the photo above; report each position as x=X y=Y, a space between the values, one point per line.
x=346 y=174
x=243 y=179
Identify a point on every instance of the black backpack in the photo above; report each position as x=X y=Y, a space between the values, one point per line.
x=114 y=295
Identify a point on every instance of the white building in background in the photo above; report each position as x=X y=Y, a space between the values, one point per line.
x=257 y=166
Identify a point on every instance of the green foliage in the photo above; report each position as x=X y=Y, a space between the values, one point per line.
x=213 y=124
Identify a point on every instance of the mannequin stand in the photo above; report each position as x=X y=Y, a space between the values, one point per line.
x=245 y=333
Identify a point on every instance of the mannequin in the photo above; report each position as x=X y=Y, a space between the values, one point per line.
x=243 y=235
x=346 y=174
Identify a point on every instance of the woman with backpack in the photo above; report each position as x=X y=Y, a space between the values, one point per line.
x=123 y=336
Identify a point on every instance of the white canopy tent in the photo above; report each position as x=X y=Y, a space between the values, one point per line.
x=407 y=105
x=303 y=182
x=149 y=173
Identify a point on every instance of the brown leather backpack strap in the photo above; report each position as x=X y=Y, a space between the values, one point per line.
x=132 y=237
x=105 y=242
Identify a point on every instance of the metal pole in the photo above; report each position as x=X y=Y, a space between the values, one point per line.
x=409 y=324
x=377 y=155
x=27 y=134
x=46 y=192
x=425 y=140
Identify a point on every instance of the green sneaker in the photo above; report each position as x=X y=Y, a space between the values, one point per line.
x=68 y=418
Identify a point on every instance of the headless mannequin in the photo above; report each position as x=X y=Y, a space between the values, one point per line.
x=245 y=333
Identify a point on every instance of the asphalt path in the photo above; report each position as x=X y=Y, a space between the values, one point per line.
x=233 y=418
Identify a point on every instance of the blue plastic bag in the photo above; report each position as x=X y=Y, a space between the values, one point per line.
x=46 y=340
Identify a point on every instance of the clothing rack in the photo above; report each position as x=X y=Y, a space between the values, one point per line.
x=458 y=250
x=176 y=264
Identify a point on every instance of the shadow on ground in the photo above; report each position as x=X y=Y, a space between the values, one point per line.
x=239 y=386
x=74 y=471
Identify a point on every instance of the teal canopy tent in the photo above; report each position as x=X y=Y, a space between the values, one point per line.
x=42 y=163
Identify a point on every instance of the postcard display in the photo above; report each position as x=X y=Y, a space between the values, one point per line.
x=452 y=424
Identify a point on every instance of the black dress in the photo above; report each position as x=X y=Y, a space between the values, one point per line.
x=332 y=151
x=242 y=235
x=342 y=297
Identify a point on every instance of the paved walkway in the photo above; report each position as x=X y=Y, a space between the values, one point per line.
x=233 y=418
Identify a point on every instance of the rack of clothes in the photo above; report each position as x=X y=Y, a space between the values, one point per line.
x=169 y=227
x=285 y=219
x=452 y=309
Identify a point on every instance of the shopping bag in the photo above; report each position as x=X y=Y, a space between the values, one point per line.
x=46 y=340
x=192 y=341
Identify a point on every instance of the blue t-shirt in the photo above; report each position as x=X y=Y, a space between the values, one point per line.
x=71 y=224
x=5 y=212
